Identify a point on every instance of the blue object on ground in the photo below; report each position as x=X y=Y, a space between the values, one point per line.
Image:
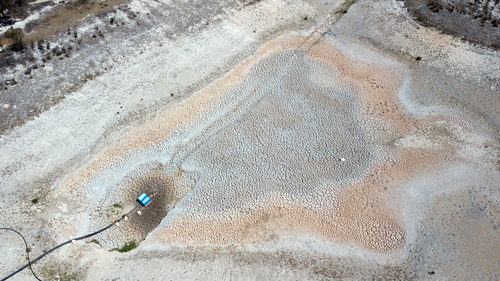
x=144 y=199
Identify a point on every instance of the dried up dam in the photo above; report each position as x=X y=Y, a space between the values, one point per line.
x=318 y=152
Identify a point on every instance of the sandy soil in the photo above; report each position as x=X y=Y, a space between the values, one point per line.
x=283 y=141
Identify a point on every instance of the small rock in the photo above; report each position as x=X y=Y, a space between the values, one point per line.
x=342 y=159
x=6 y=106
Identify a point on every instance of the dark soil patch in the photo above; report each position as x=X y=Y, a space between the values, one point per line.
x=151 y=215
x=68 y=15
x=61 y=17
x=21 y=9
x=474 y=22
x=156 y=183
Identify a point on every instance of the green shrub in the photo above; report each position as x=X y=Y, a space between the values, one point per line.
x=95 y=241
x=40 y=44
x=16 y=35
x=126 y=248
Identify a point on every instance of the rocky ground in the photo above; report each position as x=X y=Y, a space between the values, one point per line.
x=474 y=21
x=282 y=139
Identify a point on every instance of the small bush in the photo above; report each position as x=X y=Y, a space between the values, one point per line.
x=40 y=44
x=34 y=201
x=16 y=35
x=95 y=241
x=111 y=21
x=126 y=248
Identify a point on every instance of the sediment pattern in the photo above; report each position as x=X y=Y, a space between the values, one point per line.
x=296 y=141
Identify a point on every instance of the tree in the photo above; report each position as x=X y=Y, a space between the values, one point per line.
x=5 y=7
x=16 y=35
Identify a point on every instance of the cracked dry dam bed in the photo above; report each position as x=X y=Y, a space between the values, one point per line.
x=329 y=152
x=254 y=161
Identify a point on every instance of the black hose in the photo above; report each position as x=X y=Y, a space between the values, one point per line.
x=27 y=250
x=60 y=245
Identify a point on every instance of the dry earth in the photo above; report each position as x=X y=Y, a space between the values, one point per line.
x=294 y=140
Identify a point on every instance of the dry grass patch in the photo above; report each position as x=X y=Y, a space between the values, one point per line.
x=60 y=18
